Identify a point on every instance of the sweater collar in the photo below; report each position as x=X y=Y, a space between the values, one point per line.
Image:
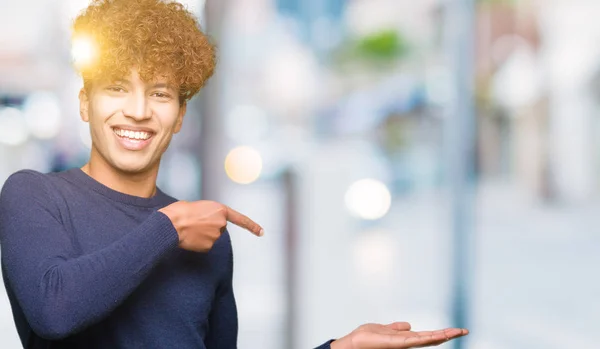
x=86 y=181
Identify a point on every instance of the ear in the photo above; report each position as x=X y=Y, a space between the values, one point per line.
x=84 y=103
x=182 y=110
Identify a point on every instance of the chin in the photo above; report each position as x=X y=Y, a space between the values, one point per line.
x=132 y=168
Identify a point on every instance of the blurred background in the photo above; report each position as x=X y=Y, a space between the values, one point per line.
x=432 y=161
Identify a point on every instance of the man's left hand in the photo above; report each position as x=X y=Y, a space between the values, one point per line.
x=397 y=335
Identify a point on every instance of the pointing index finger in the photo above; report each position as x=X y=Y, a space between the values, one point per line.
x=243 y=221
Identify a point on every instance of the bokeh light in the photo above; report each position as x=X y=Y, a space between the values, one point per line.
x=243 y=165
x=368 y=199
x=13 y=130
x=42 y=115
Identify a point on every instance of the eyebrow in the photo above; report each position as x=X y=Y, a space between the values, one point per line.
x=157 y=85
x=162 y=85
x=122 y=80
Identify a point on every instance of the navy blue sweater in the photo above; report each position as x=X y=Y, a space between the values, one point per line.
x=85 y=266
x=89 y=267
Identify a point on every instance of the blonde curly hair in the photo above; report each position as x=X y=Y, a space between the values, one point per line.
x=160 y=38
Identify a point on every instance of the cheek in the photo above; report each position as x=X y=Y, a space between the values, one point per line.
x=105 y=107
x=168 y=117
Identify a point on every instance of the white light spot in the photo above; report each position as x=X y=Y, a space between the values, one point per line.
x=42 y=115
x=368 y=199
x=13 y=130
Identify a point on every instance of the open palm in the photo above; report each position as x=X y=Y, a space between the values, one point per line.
x=397 y=335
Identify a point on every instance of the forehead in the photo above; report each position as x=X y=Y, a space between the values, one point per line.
x=133 y=77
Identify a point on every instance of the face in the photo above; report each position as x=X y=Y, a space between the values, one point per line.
x=131 y=121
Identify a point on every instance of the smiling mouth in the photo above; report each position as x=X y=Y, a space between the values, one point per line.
x=132 y=135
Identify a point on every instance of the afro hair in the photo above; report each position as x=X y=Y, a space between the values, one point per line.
x=160 y=38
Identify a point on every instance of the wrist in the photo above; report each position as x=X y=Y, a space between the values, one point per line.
x=341 y=343
x=175 y=219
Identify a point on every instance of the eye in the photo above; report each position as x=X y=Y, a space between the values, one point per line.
x=161 y=95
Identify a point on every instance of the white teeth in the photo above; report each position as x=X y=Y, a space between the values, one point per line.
x=134 y=135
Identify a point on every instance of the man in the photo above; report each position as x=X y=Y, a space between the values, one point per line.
x=98 y=256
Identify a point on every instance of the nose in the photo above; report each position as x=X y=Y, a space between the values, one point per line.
x=137 y=107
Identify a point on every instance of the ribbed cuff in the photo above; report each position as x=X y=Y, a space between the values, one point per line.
x=160 y=235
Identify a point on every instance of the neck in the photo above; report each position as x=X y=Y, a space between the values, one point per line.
x=140 y=184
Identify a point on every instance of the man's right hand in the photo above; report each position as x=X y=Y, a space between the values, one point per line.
x=200 y=223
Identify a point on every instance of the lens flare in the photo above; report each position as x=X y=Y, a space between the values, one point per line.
x=83 y=52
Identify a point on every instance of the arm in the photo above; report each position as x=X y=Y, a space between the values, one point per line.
x=59 y=291
x=222 y=322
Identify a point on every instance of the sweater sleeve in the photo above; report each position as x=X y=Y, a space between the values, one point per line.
x=60 y=291
x=223 y=322
x=326 y=345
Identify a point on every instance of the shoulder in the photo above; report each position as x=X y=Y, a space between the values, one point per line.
x=25 y=180
x=27 y=187
x=30 y=174
x=26 y=200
